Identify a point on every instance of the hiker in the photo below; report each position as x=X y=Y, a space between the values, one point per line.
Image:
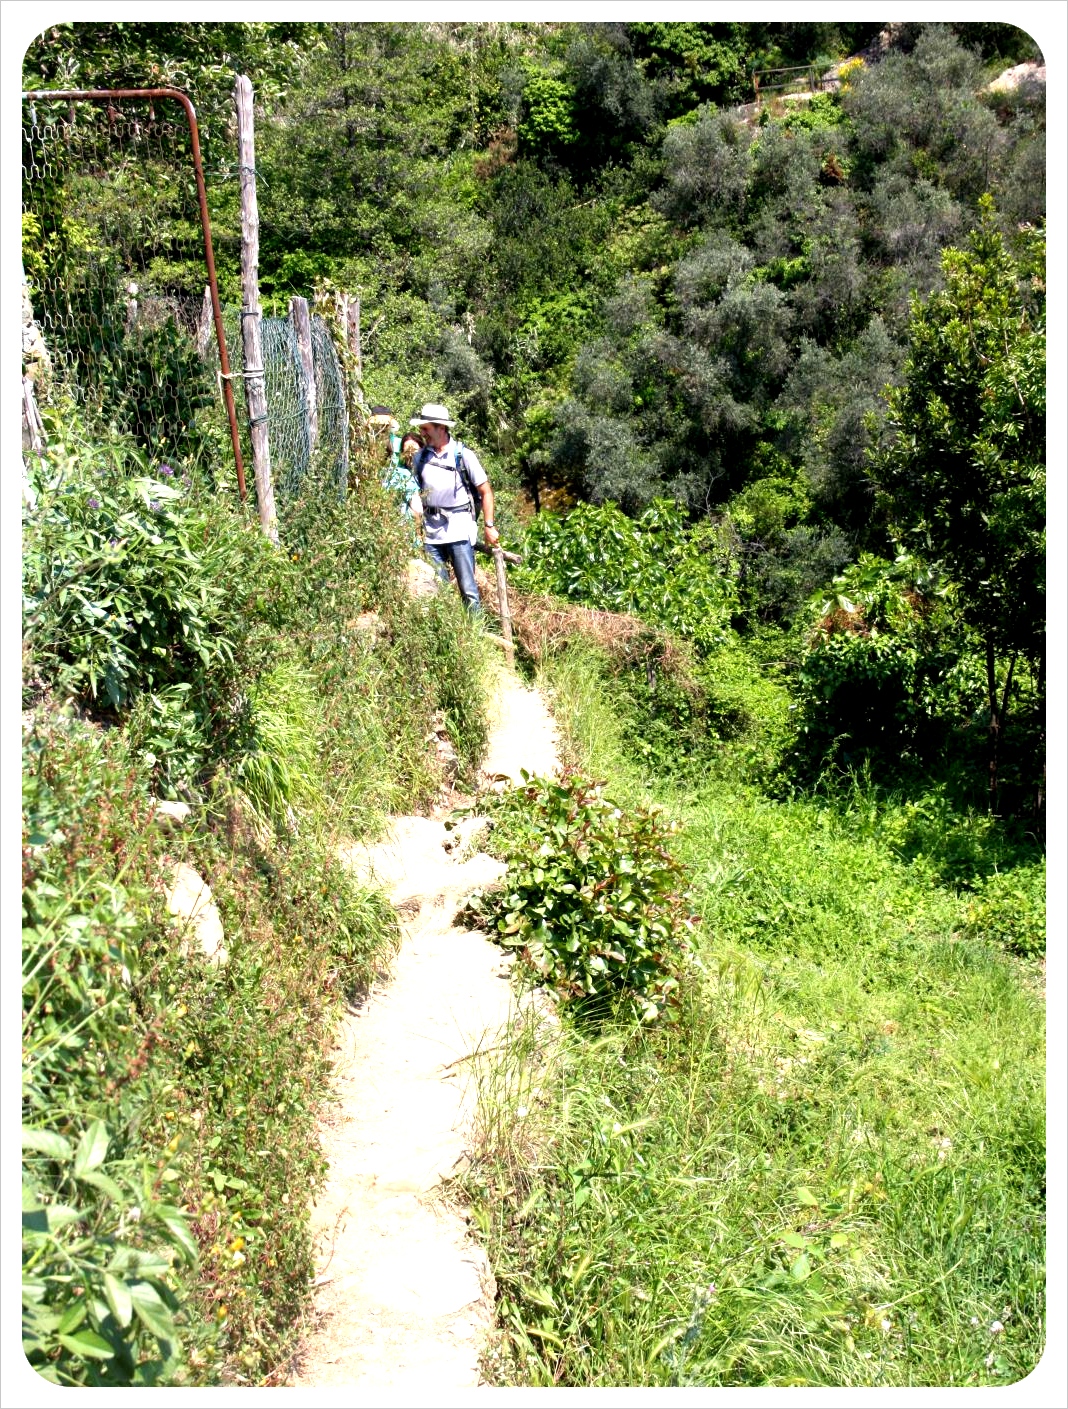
x=449 y=477
x=397 y=478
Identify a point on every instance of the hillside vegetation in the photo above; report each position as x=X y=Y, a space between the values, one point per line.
x=761 y=389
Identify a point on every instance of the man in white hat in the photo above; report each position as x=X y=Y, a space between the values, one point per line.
x=449 y=476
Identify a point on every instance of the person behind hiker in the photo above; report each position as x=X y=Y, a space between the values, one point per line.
x=448 y=476
x=397 y=478
x=410 y=446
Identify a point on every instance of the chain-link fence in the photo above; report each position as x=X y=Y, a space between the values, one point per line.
x=113 y=257
x=333 y=444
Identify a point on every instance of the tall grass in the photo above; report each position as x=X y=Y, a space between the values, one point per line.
x=278 y=770
x=829 y=1171
x=591 y=730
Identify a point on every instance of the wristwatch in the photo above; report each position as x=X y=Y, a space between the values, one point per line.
x=491 y=525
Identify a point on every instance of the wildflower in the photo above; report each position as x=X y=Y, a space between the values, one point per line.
x=616 y=1128
x=975 y=1321
x=989 y=1361
x=155 y=505
x=166 y=470
x=94 y=503
x=996 y=1328
x=521 y=1111
x=885 y=1324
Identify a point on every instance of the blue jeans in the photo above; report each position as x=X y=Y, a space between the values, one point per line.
x=461 y=558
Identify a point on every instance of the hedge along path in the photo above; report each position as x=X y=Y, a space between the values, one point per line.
x=405 y=1295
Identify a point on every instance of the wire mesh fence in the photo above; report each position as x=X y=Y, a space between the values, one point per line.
x=294 y=454
x=113 y=257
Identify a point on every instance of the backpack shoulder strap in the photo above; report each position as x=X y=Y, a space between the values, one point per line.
x=417 y=466
x=465 y=475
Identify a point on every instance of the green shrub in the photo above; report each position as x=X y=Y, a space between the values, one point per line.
x=653 y=567
x=591 y=898
x=888 y=674
x=102 y=1235
x=99 y=1250
x=1010 y=910
x=148 y=601
x=115 y=599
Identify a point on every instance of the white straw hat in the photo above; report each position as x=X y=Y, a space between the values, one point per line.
x=432 y=414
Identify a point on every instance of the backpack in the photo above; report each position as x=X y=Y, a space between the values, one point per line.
x=475 y=500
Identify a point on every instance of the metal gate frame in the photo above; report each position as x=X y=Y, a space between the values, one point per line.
x=176 y=95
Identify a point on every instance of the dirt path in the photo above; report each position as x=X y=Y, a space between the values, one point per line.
x=405 y=1295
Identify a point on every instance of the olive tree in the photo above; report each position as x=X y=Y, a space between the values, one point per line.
x=965 y=470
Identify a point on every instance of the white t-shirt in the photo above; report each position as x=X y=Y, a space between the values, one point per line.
x=447 y=507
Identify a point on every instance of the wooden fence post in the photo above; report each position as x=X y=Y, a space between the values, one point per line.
x=301 y=320
x=252 y=339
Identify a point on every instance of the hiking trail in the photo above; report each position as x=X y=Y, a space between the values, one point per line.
x=404 y=1294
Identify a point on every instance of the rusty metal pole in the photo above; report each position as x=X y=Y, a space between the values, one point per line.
x=98 y=94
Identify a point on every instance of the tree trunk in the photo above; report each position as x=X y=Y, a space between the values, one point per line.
x=255 y=385
x=992 y=734
x=998 y=714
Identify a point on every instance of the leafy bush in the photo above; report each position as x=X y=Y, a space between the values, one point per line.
x=887 y=675
x=115 y=600
x=147 y=600
x=591 y=899
x=99 y=1254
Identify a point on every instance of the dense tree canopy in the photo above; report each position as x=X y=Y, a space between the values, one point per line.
x=632 y=281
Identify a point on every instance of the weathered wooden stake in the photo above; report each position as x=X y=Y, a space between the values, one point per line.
x=255 y=384
x=352 y=330
x=301 y=320
x=205 y=325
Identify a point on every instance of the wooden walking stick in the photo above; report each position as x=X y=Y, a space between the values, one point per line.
x=502 y=605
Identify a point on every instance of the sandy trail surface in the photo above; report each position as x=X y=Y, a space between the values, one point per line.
x=404 y=1298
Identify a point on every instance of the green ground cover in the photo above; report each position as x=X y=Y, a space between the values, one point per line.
x=171 y=1106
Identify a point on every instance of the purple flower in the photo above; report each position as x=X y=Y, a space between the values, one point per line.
x=94 y=503
x=155 y=505
x=166 y=470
